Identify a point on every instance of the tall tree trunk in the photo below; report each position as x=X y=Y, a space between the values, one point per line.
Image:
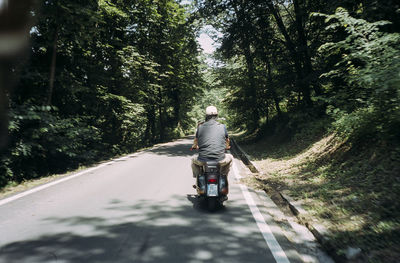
x=177 y=106
x=251 y=90
x=264 y=23
x=152 y=123
x=5 y=74
x=149 y=134
x=304 y=87
x=52 y=69
x=161 y=115
x=303 y=46
x=272 y=89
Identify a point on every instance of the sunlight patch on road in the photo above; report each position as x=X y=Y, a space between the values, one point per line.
x=174 y=221
x=203 y=255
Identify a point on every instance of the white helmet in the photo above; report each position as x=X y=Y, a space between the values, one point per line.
x=211 y=110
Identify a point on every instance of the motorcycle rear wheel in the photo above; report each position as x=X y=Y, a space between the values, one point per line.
x=212 y=204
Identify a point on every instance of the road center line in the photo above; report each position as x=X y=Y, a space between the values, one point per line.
x=265 y=230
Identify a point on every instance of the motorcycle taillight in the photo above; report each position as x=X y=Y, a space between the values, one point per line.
x=212 y=180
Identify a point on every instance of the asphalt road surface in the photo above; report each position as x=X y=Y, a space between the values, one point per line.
x=140 y=208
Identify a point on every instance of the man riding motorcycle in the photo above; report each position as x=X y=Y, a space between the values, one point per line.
x=211 y=140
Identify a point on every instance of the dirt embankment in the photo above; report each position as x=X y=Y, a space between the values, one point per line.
x=353 y=190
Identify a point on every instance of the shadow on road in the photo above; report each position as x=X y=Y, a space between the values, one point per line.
x=177 y=148
x=200 y=204
x=179 y=229
x=146 y=232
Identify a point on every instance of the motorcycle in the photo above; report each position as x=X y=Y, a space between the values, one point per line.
x=212 y=186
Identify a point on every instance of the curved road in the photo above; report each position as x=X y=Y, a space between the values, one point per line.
x=140 y=208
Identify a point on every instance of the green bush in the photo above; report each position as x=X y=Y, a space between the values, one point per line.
x=122 y=122
x=41 y=142
x=369 y=66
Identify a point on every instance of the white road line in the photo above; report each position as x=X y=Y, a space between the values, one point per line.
x=265 y=230
x=42 y=187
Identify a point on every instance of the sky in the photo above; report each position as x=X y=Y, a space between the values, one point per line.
x=206 y=43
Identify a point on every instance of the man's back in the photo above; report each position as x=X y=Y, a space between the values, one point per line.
x=211 y=137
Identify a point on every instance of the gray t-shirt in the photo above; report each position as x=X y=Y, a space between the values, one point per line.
x=211 y=136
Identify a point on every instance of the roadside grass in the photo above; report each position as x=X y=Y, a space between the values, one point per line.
x=17 y=187
x=351 y=189
x=13 y=187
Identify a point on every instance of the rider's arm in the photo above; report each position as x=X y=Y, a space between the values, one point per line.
x=195 y=144
x=227 y=141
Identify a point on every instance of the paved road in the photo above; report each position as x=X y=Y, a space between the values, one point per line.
x=140 y=208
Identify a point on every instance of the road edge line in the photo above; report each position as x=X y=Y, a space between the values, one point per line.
x=272 y=243
x=67 y=178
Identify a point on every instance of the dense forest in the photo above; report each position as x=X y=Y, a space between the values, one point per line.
x=103 y=78
x=318 y=57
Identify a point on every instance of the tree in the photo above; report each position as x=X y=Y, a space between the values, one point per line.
x=368 y=102
x=103 y=78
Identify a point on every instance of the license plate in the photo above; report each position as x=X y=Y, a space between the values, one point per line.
x=212 y=190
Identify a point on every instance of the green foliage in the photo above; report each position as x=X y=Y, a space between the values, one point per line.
x=41 y=142
x=279 y=58
x=293 y=70
x=231 y=80
x=212 y=96
x=122 y=122
x=369 y=65
x=103 y=78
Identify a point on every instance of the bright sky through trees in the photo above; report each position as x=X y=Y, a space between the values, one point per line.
x=206 y=43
